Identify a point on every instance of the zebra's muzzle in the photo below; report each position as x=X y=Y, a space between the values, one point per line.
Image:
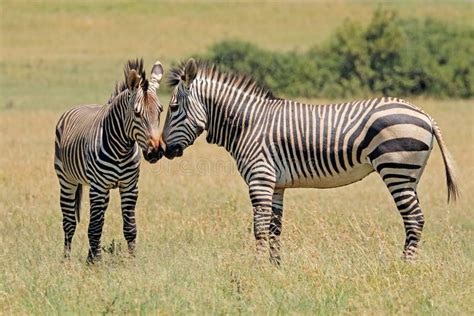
x=173 y=151
x=152 y=155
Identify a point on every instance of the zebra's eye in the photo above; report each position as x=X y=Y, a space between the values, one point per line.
x=174 y=106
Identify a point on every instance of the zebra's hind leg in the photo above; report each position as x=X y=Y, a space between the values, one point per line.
x=128 y=196
x=69 y=201
x=408 y=205
x=99 y=200
x=276 y=226
x=401 y=180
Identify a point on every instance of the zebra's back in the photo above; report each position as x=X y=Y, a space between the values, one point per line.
x=76 y=132
x=332 y=145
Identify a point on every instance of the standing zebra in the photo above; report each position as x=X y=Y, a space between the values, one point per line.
x=279 y=144
x=99 y=145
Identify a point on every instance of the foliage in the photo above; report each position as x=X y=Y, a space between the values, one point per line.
x=389 y=56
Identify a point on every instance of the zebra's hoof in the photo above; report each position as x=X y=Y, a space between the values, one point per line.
x=275 y=261
x=409 y=256
x=93 y=259
x=67 y=256
x=131 y=248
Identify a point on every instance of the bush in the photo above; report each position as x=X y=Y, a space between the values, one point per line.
x=389 y=56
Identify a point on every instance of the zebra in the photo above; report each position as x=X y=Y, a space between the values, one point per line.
x=279 y=144
x=99 y=146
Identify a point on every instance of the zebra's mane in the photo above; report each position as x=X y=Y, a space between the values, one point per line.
x=131 y=64
x=208 y=70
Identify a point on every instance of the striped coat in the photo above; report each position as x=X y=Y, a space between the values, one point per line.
x=279 y=144
x=99 y=145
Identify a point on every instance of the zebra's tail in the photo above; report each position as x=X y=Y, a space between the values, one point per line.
x=77 y=202
x=451 y=181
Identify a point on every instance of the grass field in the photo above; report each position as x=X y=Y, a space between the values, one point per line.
x=341 y=247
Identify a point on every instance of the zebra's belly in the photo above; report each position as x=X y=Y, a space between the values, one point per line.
x=342 y=178
x=71 y=168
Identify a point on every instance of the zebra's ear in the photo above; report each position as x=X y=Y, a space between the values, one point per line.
x=190 y=71
x=133 y=80
x=156 y=75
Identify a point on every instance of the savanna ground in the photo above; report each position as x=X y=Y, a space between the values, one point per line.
x=341 y=247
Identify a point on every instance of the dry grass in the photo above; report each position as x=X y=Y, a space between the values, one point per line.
x=341 y=247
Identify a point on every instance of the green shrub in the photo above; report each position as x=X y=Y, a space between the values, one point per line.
x=389 y=56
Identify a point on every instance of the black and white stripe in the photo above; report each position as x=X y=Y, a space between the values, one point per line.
x=279 y=144
x=99 y=145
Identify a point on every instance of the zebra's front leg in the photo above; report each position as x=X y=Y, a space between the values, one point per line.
x=128 y=196
x=261 y=197
x=276 y=225
x=99 y=200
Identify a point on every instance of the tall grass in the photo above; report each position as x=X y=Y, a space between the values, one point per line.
x=341 y=247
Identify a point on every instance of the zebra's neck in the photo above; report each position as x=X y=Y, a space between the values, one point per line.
x=235 y=117
x=115 y=139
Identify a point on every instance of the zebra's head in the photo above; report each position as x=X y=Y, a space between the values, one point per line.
x=186 y=118
x=143 y=108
